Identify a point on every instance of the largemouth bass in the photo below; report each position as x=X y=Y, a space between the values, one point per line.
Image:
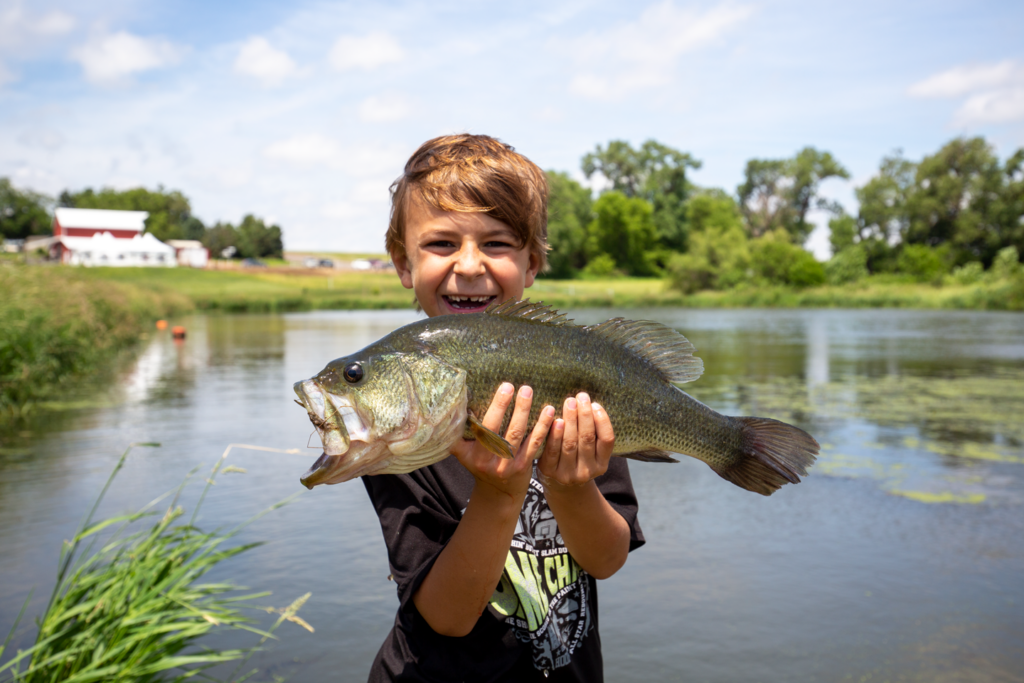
x=403 y=401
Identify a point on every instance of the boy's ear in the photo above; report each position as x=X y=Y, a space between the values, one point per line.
x=532 y=269
x=401 y=261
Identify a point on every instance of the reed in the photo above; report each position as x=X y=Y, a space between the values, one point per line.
x=131 y=606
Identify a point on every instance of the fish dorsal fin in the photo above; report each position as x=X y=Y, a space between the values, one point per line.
x=664 y=348
x=538 y=312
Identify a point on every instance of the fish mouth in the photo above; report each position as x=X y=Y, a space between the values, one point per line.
x=457 y=303
x=345 y=435
x=361 y=459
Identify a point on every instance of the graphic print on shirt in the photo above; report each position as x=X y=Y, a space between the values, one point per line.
x=543 y=594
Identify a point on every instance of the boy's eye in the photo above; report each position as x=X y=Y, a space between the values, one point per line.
x=498 y=244
x=443 y=244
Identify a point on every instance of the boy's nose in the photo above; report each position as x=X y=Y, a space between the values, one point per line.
x=470 y=262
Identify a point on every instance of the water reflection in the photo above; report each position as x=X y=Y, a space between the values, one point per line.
x=899 y=558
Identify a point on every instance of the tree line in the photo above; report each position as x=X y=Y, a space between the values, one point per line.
x=957 y=213
x=24 y=213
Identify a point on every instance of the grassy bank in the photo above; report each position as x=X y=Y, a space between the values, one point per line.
x=300 y=290
x=61 y=325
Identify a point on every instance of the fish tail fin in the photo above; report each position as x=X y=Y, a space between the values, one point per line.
x=773 y=453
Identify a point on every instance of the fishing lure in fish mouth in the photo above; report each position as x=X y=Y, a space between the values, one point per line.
x=402 y=402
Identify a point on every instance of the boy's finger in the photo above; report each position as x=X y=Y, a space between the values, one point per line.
x=520 y=418
x=586 y=433
x=570 y=438
x=540 y=431
x=499 y=404
x=605 y=435
x=553 y=448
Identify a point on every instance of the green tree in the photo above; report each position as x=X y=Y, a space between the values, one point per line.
x=958 y=198
x=778 y=193
x=257 y=239
x=762 y=196
x=623 y=228
x=570 y=211
x=654 y=172
x=220 y=237
x=842 y=232
x=23 y=212
x=719 y=255
x=170 y=214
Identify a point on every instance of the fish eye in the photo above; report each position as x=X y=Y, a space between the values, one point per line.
x=353 y=372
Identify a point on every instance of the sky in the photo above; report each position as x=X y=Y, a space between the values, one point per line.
x=303 y=113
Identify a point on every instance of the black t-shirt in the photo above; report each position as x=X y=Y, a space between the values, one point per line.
x=541 y=623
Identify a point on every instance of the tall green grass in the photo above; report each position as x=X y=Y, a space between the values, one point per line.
x=57 y=326
x=131 y=607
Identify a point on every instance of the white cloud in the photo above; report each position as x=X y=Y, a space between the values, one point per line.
x=110 y=59
x=42 y=138
x=962 y=80
x=365 y=52
x=262 y=61
x=998 y=106
x=996 y=91
x=384 y=108
x=305 y=150
x=6 y=75
x=21 y=33
x=642 y=54
x=18 y=28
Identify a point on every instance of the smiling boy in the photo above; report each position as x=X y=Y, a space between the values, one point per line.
x=496 y=560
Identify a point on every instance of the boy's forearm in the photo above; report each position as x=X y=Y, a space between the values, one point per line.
x=594 y=533
x=460 y=584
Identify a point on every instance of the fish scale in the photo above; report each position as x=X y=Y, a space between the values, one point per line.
x=630 y=367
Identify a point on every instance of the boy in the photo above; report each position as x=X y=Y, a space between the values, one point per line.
x=495 y=559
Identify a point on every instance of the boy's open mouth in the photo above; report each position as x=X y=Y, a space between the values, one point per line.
x=468 y=304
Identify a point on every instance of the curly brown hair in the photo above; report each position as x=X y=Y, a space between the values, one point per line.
x=474 y=174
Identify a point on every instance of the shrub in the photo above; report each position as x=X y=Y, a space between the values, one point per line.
x=1006 y=264
x=717 y=259
x=968 y=274
x=923 y=263
x=806 y=271
x=601 y=266
x=849 y=265
x=778 y=261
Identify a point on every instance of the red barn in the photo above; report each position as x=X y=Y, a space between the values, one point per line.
x=89 y=222
x=97 y=237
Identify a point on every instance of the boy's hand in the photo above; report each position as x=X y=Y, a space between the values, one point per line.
x=579 y=445
x=511 y=477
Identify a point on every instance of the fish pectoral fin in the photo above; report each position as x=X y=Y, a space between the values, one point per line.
x=487 y=438
x=652 y=455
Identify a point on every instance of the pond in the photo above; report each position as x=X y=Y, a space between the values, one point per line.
x=901 y=556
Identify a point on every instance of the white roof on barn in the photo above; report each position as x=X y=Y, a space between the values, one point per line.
x=102 y=218
x=186 y=244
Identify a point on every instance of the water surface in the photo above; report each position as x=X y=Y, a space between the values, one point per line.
x=900 y=558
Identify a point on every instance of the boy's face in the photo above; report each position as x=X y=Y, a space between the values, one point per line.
x=461 y=262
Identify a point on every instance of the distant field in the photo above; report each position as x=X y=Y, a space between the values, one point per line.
x=292 y=289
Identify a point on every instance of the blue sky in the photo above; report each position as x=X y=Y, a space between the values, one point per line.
x=304 y=112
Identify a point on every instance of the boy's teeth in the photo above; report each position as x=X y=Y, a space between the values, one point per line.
x=469 y=298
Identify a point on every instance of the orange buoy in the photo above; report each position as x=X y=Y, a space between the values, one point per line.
x=161 y=324
x=178 y=332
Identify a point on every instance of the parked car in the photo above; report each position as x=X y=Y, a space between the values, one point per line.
x=326 y=263
x=311 y=262
x=253 y=263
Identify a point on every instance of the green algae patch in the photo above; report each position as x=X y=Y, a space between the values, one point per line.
x=943 y=497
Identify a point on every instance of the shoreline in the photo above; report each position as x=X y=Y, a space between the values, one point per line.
x=287 y=290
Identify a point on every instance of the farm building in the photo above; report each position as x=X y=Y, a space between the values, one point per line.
x=95 y=237
x=190 y=253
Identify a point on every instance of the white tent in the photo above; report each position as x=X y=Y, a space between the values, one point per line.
x=103 y=249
